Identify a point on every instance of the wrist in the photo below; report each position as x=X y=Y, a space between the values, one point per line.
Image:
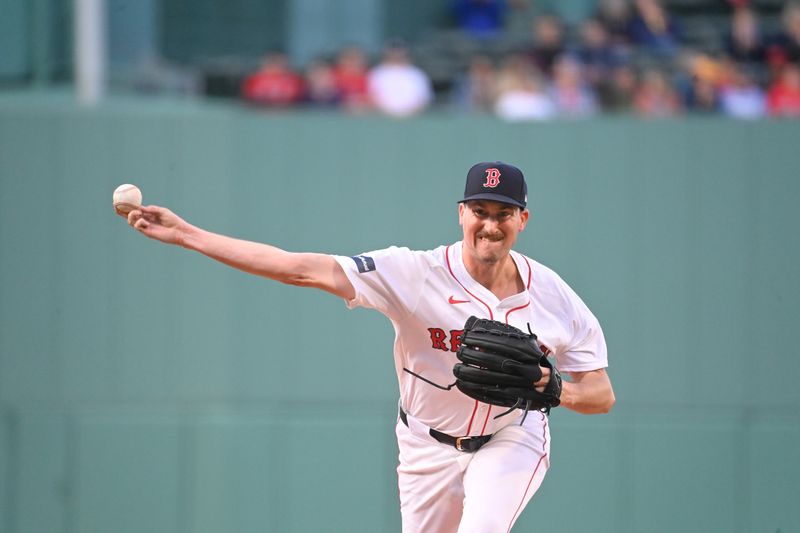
x=567 y=394
x=189 y=237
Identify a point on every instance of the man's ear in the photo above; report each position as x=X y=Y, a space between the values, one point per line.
x=461 y=208
x=524 y=216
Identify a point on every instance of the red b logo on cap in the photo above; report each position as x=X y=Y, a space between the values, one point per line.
x=492 y=178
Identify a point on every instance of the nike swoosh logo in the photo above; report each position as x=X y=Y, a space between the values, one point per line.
x=454 y=301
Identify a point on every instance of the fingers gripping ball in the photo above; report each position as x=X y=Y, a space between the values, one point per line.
x=126 y=198
x=500 y=364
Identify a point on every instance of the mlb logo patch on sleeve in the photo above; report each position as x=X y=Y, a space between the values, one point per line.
x=364 y=263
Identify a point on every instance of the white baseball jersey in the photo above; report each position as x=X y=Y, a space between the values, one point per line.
x=428 y=296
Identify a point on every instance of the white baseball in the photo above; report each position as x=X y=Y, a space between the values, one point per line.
x=127 y=197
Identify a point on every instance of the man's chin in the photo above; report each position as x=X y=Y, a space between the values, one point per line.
x=491 y=253
x=488 y=259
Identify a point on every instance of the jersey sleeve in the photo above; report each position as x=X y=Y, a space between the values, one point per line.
x=586 y=350
x=389 y=280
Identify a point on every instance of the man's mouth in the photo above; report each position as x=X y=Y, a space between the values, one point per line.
x=490 y=238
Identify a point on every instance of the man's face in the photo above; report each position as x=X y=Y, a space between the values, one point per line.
x=490 y=228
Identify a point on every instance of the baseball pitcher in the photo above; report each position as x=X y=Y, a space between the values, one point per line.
x=483 y=337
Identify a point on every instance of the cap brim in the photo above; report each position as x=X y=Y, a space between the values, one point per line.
x=493 y=197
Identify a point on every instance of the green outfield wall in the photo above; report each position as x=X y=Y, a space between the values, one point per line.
x=145 y=388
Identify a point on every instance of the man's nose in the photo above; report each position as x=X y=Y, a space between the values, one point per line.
x=490 y=224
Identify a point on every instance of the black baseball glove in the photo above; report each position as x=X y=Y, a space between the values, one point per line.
x=499 y=365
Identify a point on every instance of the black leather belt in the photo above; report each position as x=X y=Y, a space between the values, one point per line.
x=462 y=444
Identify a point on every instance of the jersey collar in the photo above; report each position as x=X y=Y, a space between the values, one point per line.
x=465 y=279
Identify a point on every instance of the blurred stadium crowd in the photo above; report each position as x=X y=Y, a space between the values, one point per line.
x=628 y=57
x=623 y=57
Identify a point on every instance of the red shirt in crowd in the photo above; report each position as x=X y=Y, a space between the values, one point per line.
x=352 y=84
x=350 y=75
x=783 y=97
x=275 y=84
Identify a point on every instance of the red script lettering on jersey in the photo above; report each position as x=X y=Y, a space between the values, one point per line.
x=492 y=178
x=439 y=336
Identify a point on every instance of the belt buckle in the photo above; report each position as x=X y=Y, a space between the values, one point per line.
x=458 y=443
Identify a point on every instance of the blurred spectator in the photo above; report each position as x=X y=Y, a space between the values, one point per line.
x=274 y=84
x=570 y=95
x=786 y=46
x=617 y=92
x=397 y=87
x=654 y=29
x=783 y=97
x=320 y=83
x=742 y=97
x=521 y=94
x=744 y=42
x=597 y=52
x=476 y=91
x=548 y=42
x=700 y=82
x=656 y=97
x=480 y=18
x=542 y=81
x=615 y=16
x=350 y=76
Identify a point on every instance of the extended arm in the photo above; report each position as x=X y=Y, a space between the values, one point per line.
x=302 y=269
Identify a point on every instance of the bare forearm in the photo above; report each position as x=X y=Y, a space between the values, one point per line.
x=252 y=257
x=588 y=393
x=320 y=271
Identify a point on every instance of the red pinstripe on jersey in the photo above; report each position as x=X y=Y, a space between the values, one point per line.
x=486 y=420
x=528 y=287
x=517 y=309
x=474 y=410
x=508 y=313
x=544 y=419
x=530 y=272
x=491 y=316
x=450 y=268
x=535 y=470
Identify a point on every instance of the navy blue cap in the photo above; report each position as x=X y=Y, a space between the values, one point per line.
x=496 y=181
